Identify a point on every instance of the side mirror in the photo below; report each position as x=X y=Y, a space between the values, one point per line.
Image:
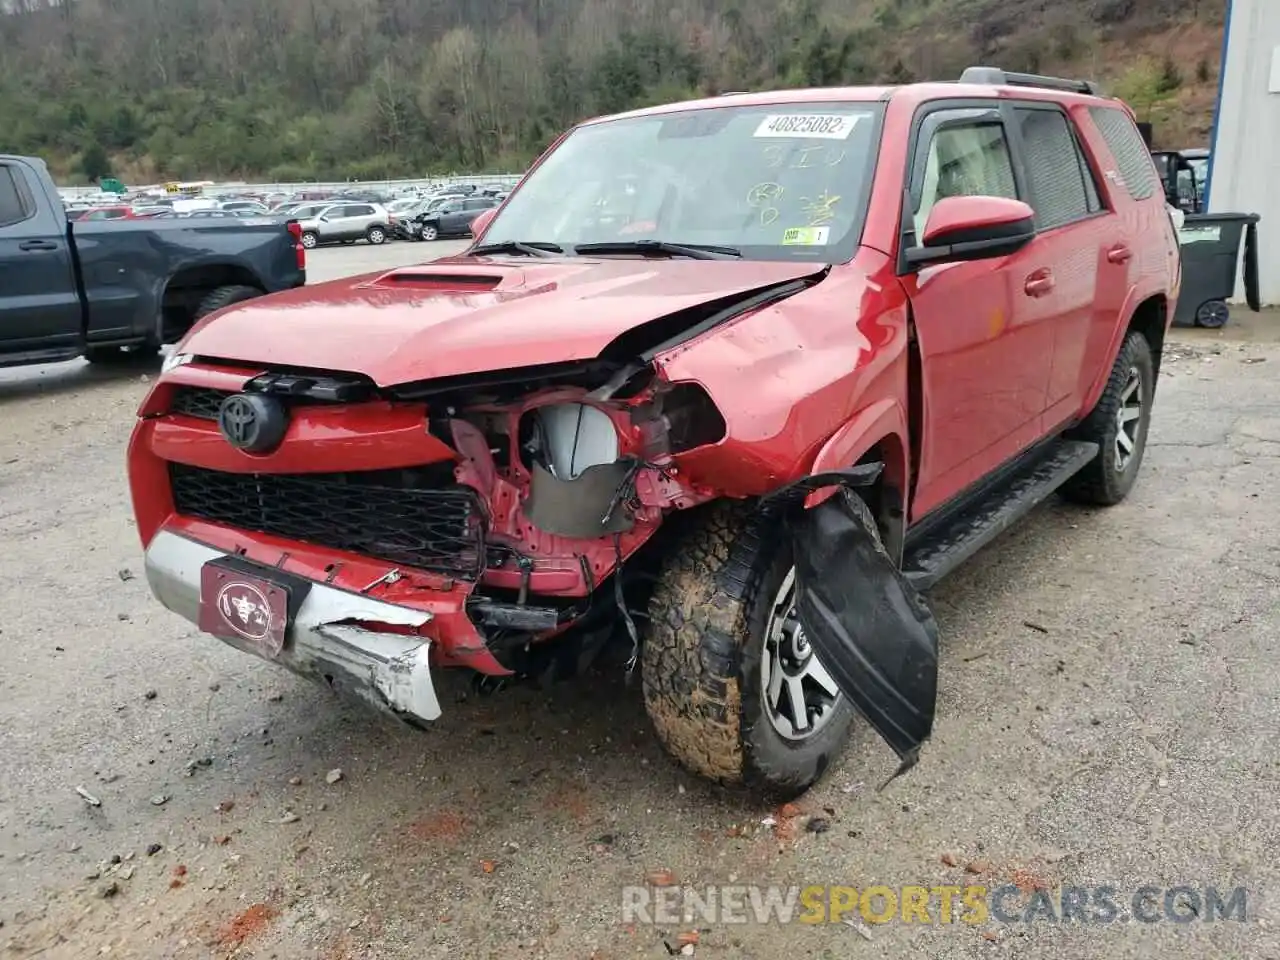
x=481 y=223
x=973 y=228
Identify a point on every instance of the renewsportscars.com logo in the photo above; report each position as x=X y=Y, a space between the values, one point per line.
x=973 y=905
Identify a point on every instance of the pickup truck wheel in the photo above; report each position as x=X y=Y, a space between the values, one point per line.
x=733 y=689
x=310 y=239
x=221 y=297
x=376 y=235
x=1119 y=425
x=429 y=232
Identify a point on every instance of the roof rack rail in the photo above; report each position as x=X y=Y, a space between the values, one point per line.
x=994 y=76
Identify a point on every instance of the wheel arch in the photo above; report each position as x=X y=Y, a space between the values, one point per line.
x=190 y=284
x=877 y=434
x=1147 y=315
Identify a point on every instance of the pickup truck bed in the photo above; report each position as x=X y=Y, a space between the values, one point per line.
x=107 y=289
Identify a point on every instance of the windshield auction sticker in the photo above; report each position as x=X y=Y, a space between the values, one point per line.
x=805 y=236
x=818 y=126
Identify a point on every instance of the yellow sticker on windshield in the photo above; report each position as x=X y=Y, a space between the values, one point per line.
x=805 y=236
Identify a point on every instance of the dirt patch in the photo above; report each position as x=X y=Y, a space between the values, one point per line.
x=447 y=826
x=246 y=925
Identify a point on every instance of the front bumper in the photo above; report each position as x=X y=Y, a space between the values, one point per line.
x=334 y=637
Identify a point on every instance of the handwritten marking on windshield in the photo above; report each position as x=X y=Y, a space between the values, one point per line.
x=820 y=209
x=763 y=196
x=776 y=155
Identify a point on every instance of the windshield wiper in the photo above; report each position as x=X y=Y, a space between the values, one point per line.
x=695 y=251
x=535 y=248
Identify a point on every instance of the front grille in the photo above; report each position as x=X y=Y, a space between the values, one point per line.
x=200 y=402
x=388 y=514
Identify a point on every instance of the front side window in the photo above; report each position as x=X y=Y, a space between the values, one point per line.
x=965 y=159
x=782 y=181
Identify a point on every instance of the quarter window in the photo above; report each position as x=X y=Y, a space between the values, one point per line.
x=1133 y=159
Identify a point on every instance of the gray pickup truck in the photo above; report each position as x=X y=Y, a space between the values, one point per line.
x=113 y=289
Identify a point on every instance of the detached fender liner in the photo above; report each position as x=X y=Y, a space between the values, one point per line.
x=870 y=626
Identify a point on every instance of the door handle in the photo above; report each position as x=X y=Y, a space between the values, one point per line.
x=37 y=245
x=1119 y=254
x=1039 y=284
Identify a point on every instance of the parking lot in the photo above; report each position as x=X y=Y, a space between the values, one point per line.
x=1109 y=716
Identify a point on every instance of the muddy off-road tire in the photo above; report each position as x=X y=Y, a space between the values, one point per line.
x=704 y=654
x=1118 y=424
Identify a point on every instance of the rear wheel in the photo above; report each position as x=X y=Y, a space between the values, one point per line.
x=731 y=684
x=220 y=297
x=376 y=235
x=1119 y=425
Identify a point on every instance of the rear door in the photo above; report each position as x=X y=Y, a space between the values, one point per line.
x=39 y=299
x=1075 y=236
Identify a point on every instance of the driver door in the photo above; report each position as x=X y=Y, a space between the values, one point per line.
x=984 y=327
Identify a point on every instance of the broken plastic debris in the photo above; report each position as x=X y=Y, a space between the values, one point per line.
x=89 y=798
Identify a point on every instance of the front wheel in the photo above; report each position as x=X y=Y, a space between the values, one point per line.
x=732 y=686
x=430 y=232
x=1118 y=424
x=310 y=239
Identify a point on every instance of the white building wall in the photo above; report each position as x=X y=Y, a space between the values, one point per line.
x=1245 y=172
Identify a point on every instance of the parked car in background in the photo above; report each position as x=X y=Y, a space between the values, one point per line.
x=453 y=217
x=105 y=291
x=108 y=213
x=253 y=206
x=346 y=223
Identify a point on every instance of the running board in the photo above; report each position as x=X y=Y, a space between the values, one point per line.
x=945 y=543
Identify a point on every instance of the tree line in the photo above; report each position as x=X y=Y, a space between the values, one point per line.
x=368 y=89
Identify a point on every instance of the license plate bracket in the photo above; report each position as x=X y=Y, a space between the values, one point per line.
x=250 y=604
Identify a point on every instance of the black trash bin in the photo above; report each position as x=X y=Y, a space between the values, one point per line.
x=1210 y=244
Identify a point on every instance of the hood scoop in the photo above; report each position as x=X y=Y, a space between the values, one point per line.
x=441 y=280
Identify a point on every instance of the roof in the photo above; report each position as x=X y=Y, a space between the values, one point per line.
x=976 y=82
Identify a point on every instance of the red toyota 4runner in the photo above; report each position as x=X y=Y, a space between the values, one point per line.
x=727 y=380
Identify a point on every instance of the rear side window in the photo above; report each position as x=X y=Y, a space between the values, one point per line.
x=15 y=205
x=1062 y=186
x=361 y=210
x=1133 y=159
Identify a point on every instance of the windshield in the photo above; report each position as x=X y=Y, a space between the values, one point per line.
x=776 y=182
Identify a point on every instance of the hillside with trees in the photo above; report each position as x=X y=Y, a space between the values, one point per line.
x=307 y=89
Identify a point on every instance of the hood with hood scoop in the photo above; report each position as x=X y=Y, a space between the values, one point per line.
x=458 y=316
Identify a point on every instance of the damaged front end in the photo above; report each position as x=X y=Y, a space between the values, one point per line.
x=572 y=485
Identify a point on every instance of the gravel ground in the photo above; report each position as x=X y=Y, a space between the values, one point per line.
x=1108 y=716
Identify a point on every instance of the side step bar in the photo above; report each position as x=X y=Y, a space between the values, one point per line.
x=945 y=543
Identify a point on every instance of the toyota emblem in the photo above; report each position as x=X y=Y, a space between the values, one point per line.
x=252 y=422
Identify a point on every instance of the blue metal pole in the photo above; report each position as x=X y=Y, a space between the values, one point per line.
x=1217 y=110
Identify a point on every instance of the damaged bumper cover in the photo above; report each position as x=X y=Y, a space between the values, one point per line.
x=333 y=636
x=873 y=631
